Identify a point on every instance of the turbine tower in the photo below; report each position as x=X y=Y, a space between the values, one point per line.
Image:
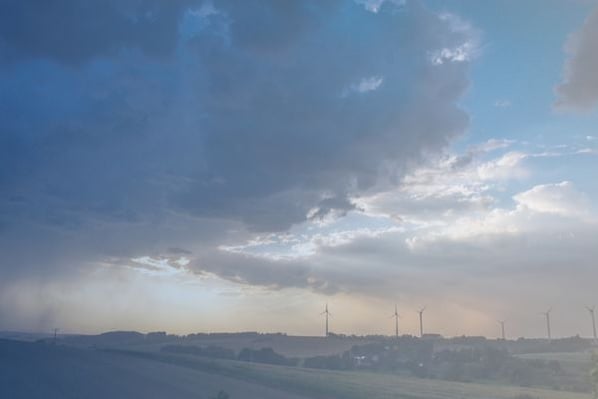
x=396 y=316
x=502 y=329
x=547 y=316
x=591 y=309
x=327 y=313
x=421 y=321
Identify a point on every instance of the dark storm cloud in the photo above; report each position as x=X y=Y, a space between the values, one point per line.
x=119 y=117
x=74 y=31
x=280 y=22
x=580 y=86
x=179 y=251
x=263 y=272
x=284 y=122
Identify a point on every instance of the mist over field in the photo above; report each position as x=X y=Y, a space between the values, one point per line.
x=228 y=199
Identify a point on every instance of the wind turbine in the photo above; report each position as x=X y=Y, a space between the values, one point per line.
x=502 y=329
x=421 y=321
x=327 y=313
x=591 y=309
x=547 y=315
x=397 y=317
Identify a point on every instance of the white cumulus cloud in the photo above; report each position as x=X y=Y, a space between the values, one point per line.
x=558 y=198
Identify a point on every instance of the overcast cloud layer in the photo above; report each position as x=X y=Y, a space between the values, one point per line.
x=256 y=114
x=269 y=156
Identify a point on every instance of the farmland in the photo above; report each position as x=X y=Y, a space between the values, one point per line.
x=134 y=365
x=349 y=385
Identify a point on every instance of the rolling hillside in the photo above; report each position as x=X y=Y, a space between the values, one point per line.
x=352 y=385
x=39 y=371
x=36 y=370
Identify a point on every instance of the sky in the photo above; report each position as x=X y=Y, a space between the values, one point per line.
x=224 y=165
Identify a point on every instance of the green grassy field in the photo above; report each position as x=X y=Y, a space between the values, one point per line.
x=350 y=385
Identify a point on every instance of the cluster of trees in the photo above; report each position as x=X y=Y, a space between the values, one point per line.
x=266 y=355
x=134 y=337
x=119 y=338
x=570 y=344
x=245 y=334
x=263 y=355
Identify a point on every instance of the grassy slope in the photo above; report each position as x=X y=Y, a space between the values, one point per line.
x=38 y=371
x=350 y=385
